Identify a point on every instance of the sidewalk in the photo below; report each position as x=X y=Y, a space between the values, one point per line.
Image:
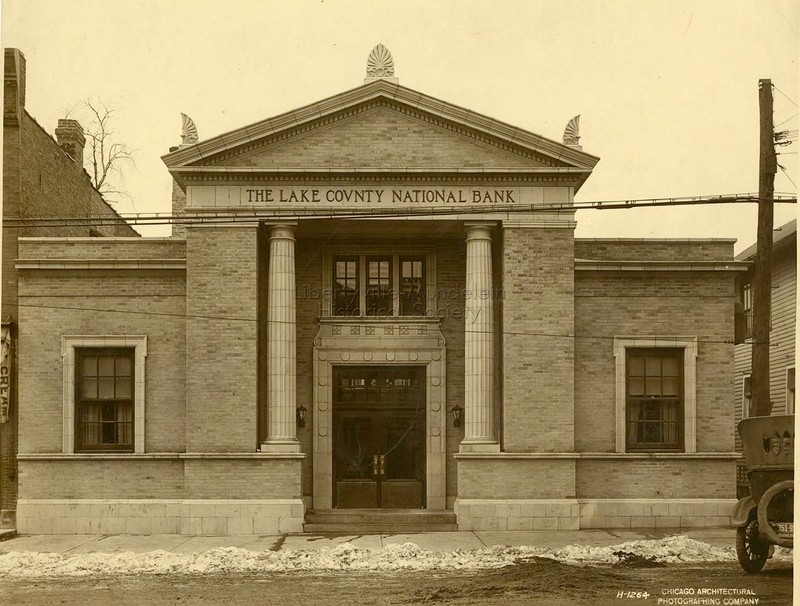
x=433 y=541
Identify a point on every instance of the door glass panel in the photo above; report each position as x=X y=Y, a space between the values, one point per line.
x=404 y=449
x=354 y=448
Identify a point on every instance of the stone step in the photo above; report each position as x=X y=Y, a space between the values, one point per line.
x=380 y=520
x=378 y=528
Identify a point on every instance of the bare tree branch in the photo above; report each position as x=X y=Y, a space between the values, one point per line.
x=109 y=158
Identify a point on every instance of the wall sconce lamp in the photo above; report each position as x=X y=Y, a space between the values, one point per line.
x=301 y=415
x=456 y=412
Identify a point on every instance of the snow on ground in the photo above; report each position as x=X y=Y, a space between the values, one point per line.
x=346 y=557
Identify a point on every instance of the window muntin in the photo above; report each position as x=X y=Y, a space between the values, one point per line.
x=380 y=285
x=346 y=294
x=412 y=286
x=654 y=399
x=104 y=398
x=379 y=295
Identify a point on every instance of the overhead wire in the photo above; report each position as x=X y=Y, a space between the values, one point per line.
x=343 y=323
x=787 y=119
x=787 y=175
x=785 y=95
x=311 y=213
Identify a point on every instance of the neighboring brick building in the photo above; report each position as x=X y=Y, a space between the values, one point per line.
x=782 y=334
x=42 y=177
x=378 y=304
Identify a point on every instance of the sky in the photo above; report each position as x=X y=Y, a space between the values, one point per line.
x=667 y=90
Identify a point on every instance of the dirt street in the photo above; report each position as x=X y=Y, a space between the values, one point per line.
x=532 y=582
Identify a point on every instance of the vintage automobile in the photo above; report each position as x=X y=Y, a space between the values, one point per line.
x=765 y=518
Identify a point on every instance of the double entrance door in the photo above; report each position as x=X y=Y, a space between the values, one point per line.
x=379 y=436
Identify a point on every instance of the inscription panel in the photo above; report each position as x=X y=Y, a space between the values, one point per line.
x=360 y=197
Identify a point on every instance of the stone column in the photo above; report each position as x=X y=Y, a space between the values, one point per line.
x=479 y=433
x=281 y=343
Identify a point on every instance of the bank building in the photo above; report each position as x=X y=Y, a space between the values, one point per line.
x=373 y=313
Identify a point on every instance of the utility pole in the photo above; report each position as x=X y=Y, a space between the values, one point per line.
x=762 y=278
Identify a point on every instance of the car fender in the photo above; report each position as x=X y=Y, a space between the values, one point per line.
x=741 y=513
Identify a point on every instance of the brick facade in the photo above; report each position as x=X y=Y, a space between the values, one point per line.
x=39 y=180
x=548 y=454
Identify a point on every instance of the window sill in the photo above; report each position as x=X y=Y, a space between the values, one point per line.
x=148 y=456
x=379 y=319
x=601 y=455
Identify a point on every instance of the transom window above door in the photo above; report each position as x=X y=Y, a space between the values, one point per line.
x=380 y=285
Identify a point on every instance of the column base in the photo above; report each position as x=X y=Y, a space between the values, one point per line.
x=478 y=446
x=281 y=445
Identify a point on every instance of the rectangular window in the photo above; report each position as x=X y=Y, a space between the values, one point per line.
x=104 y=394
x=345 y=290
x=790 y=391
x=747 y=303
x=747 y=395
x=654 y=410
x=379 y=287
x=412 y=286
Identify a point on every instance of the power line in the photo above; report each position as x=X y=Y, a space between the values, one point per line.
x=787 y=175
x=342 y=324
x=787 y=119
x=312 y=213
x=785 y=95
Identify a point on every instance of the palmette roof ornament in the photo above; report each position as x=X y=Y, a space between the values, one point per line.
x=189 y=131
x=571 y=132
x=380 y=65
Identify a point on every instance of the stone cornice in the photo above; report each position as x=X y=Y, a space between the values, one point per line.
x=196 y=175
x=115 y=264
x=617 y=266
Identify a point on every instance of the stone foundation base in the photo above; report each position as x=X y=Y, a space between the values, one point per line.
x=160 y=516
x=574 y=514
x=517 y=514
x=656 y=513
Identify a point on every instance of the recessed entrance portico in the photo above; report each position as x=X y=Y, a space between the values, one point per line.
x=379 y=436
x=410 y=353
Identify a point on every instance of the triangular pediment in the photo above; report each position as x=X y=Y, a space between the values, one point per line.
x=380 y=127
x=380 y=134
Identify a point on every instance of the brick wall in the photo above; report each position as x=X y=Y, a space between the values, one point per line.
x=508 y=478
x=39 y=180
x=538 y=350
x=53 y=185
x=308 y=265
x=242 y=479
x=104 y=249
x=380 y=131
x=101 y=479
x=451 y=273
x=662 y=479
x=133 y=302
x=656 y=304
x=221 y=339
x=653 y=249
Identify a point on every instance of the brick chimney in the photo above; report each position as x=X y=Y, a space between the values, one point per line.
x=14 y=78
x=69 y=135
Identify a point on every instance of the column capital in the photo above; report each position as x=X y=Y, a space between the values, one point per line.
x=283 y=231
x=479 y=230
